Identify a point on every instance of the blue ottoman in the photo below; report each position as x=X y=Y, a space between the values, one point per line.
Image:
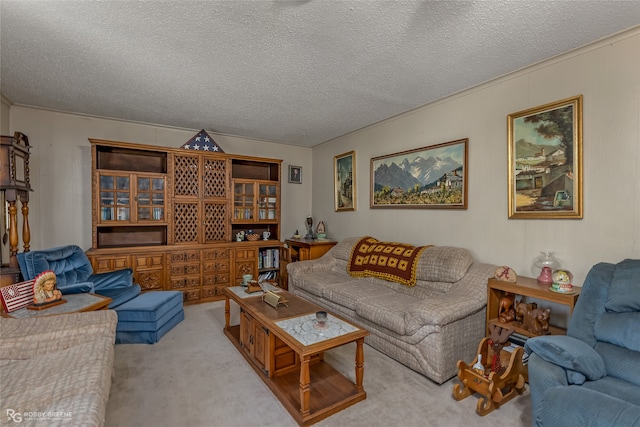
x=147 y=317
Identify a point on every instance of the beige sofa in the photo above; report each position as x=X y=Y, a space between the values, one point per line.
x=427 y=327
x=57 y=369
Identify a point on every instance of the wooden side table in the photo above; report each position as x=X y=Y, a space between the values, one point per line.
x=76 y=303
x=302 y=249
x=526 y=287
x=498 y=389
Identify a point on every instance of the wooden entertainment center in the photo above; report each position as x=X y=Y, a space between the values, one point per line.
x=172 y=216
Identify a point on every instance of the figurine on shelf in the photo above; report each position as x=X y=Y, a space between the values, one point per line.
x=44 y=289
x=240 y=236
x=540 y=321
x=506 y=311
x=532 y=318
x=309 y=225
x=321 y=232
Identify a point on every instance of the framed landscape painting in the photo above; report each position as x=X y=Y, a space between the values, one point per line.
x=545 y=161
x=344 y=171
x=433 y=177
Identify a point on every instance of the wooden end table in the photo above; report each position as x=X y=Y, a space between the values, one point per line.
x=76 y=303
x=287 y=352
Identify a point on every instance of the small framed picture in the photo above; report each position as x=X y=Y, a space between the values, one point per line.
x=295 y=174
x=344 y=167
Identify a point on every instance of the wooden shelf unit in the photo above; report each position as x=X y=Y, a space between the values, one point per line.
x=525 y=287
x=167 y=214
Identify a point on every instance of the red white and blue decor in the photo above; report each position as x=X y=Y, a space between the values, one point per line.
x=201 y=141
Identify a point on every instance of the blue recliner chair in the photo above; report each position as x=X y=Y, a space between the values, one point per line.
x=142 y=317
x=591 y=376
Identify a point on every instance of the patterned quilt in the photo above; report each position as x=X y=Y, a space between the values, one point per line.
x=386 y=260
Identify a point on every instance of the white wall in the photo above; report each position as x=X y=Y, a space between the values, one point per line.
x=60 y=165
x=606 y=74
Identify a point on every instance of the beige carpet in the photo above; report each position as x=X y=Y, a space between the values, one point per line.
x=195 y=377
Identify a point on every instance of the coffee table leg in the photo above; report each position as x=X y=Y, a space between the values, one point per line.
x=305 y=388
x=227 y=312
x=359 y=364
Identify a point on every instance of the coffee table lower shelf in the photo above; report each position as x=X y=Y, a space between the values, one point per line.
x=330 y=391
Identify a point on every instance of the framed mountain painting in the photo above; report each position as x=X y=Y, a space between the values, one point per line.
x=433 y=177
x=545 y=161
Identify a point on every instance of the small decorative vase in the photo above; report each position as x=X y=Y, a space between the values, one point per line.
x=545 y=259
x=545 y=276
x=478 y=367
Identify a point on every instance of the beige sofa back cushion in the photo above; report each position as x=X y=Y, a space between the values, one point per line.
x=437 y=263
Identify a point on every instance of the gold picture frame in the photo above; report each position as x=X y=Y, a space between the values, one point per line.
x=344 y=178
x=409 y=179
x=545 y=161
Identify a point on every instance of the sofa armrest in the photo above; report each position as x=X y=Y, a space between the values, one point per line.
x=112 y=279
x=324 y=263
x=577 y=357
x=77 y=288
x=466 y=297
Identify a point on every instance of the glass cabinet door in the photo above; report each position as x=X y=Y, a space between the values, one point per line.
x=150 y=198
x=243 y=199
x=268 y=202
x=115 y=197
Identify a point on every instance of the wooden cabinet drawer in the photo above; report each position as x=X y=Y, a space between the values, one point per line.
x=103 y=264
x=184 y=282
x=148 y=261
x=191 y=295
x=209 y=291
x=211 y=254
x=216 y=266
x=185 y=256
x=216 y=279
x=246 y=253
x=182 y=269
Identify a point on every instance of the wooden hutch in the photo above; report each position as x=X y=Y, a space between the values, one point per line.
x=172 y=216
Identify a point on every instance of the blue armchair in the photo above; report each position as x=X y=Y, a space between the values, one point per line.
x=591 y=376
x=75 y=275
x=142 y=317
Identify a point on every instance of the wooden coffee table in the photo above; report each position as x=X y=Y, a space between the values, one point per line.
x=286 y=348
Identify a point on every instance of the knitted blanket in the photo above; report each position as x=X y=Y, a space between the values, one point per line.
x=386 y=260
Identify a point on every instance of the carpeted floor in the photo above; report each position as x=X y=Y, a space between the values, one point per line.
x=195 y=377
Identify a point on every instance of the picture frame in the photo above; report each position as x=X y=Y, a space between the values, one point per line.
x=409 y=179
x=295 y=174
x=545 y=161
x=344 y=174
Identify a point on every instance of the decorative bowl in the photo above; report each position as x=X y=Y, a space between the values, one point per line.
x=321 y=235
x=253 y=237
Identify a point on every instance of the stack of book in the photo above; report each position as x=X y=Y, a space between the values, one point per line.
x=517 y=340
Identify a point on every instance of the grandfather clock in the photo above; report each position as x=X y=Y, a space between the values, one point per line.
x=15 y=184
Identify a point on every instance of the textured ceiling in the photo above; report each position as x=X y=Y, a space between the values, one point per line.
x=296 y=72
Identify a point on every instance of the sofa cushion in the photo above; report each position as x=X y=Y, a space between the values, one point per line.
x=614 y=328
x=581 y=406
x=620 y=362
x=149 y=307
x=624 y=293
x=315 y=282
x=616 y=387
x=120 y=295
x=386 y=310
x=348 y=294
x=443 y=264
